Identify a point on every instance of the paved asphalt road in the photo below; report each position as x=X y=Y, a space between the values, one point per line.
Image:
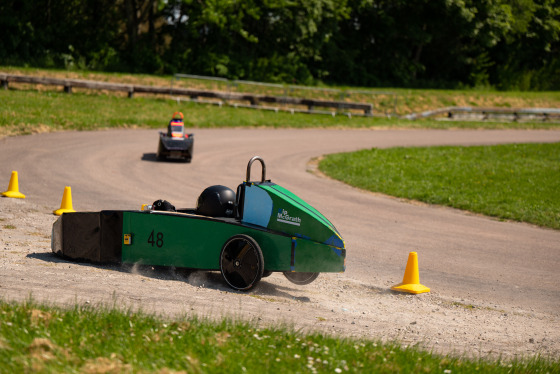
x=461 y=255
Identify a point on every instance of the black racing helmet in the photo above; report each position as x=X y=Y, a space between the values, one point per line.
x=163 y=205
x=216 y=201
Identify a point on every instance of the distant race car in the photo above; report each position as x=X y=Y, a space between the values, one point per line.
x=175 y=143
x=263 y=228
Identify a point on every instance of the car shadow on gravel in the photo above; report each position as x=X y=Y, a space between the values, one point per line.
x=152 y=157
x=46 y=256
x=264 y=289
x=149 y=157
x=196 y=278
x=51 y=257
x=267 y=289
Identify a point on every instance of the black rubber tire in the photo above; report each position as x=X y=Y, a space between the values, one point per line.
x=241 y=262
x=300 y=278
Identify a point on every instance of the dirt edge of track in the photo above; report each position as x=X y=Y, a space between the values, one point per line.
x=334 y=304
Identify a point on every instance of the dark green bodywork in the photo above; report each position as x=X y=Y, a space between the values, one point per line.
x=292 y=235
x=192 y=241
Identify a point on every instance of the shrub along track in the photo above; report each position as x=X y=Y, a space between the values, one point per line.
x=494 y=284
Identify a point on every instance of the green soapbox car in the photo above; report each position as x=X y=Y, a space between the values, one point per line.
x=263 y=228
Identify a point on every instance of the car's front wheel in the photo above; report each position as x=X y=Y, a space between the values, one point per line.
x=241 y=262
x=300 y=278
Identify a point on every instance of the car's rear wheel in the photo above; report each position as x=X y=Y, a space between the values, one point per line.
x=241 y=262
x=300 y=278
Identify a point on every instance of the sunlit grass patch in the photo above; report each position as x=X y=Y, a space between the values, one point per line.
x=28 y=111
x=515 y=182
x=36 y=338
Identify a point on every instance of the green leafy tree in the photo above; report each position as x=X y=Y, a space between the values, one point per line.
x=412 y=43
x=64 y=33
x=509 y=44
x=529 y=57
x=273 y=40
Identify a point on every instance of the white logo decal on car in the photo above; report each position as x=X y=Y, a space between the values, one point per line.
x=284 y=217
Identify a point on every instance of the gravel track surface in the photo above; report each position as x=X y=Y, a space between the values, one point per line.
x=494 y=284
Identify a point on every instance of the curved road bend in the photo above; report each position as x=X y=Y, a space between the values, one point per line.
x=461 y=255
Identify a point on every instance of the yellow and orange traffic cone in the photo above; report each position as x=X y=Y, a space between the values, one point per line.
x=13 y=187
x=411 y=279
x=66 y=204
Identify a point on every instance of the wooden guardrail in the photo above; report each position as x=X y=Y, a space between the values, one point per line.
x=515 y=114
x=253 y=99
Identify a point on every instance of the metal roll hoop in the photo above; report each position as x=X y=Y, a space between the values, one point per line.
x=256 y=158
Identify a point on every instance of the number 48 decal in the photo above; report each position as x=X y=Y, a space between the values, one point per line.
x=157 y=239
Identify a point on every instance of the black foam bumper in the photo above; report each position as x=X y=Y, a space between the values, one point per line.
x=89 y=236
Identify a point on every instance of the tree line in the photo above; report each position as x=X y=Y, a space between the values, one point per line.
x=505 y=44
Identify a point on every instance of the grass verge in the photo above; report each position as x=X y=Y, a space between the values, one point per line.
x=515 y=182
x=399 y=101
x=23 y=112
x=26 y=111
x=36 y=338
